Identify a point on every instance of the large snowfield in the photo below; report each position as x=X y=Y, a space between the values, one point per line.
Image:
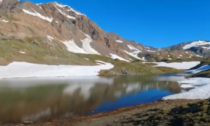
x=201 y=89
x=30 y=70
x=178 y=65
x=201 y=86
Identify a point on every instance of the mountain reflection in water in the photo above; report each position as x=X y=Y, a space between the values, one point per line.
x=43 y=99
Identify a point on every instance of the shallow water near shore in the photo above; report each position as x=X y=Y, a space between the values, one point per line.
x=32 y=99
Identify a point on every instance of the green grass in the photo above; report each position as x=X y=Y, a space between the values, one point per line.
x=39 y=50
x=169 y=70
x=135 y=68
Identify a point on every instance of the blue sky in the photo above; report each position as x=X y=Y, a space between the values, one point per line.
x=157 y=23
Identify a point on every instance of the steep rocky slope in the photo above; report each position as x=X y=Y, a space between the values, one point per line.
x=53 y=33
x=54 y=23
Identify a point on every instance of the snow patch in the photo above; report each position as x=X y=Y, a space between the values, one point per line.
x=135 y=55
x=114 y=56
x=70 y=9
x=76 y=12
x=131 y=47
x=119 y=41
x=150 y=51
x=100 y=62
x=178 y=65
x=5 y=21
x=64 y=14
x=202 y=92
x=195 y=81
x=50 y=38
x=186 y=86
x=60 y=5
x=26 y=70
x=36 y=14
x=196 y=44
x=72 y=47
x=22 y=52
x=198 y=56
x=134 y=52
x=87 y=47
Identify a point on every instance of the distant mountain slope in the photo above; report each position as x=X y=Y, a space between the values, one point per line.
x=59 y=29
x=200 y=47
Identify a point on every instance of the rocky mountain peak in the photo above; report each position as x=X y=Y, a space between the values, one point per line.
x=57 y=23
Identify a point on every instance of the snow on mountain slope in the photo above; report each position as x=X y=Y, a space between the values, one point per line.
x=133 y=54
x=72 y=47
x=178 y=65
x=36 y=14
x=119 y=41
x=61 y=23
x=5 y=21
x=64 y=14
x=114 y=56
x=69 y=8
x=196 y=44
x=133 y=51
x=50 y=37
x=24 y=69
x=87 y=47
x=58 y=23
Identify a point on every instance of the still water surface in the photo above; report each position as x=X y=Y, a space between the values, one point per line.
x=43 y=99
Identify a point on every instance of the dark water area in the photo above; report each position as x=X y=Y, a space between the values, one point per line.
x=45 y=99
x=132 y=100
